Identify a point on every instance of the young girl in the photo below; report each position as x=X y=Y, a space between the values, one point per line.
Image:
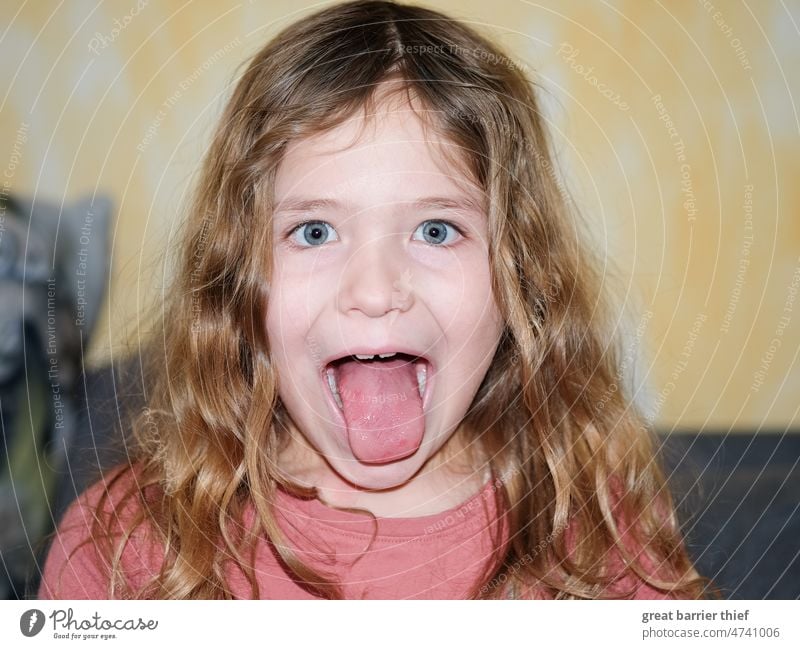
x=384 y=371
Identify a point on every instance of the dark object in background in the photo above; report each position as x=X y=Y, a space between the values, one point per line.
x=53 y=274
x=110 y=397
x=741 y=494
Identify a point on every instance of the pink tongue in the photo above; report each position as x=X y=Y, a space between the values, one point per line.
x=382 y=408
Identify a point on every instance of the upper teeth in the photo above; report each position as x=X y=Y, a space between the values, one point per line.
x=369 y=357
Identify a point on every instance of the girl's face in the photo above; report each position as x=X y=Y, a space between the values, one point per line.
x=393 y=257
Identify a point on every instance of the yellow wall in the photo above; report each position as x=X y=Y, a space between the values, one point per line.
x=709 y=317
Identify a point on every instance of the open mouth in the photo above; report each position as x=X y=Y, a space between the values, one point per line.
x=380 y=401
x=391 y=360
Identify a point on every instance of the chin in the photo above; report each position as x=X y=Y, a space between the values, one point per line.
x=378 y=476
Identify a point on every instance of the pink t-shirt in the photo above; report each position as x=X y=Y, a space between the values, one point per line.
x=440 y=556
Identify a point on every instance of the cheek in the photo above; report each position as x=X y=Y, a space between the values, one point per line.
x=472 y=308
x=284 y=335
x=288 y=306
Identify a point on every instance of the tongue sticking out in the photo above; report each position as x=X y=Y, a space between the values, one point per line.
x=382 y=408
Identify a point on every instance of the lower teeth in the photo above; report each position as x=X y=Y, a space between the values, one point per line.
x=422 y=373
x=334 y=391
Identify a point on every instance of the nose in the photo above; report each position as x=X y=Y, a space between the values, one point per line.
x=377 y=279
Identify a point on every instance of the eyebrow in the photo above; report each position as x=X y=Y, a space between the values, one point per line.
x=457 y=203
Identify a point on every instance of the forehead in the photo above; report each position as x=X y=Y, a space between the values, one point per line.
x=393 y=153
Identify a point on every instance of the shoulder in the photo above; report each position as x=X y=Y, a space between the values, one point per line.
x=653 y=564
x=76 y=567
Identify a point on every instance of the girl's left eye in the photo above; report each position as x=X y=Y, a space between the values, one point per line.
x=439 y=232
x=313 y=233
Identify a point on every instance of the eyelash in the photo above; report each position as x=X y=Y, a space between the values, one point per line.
x=293 y=229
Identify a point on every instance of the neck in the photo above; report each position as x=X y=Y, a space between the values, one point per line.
x=441 y=484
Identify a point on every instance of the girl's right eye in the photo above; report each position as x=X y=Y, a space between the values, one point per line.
x=311 y=233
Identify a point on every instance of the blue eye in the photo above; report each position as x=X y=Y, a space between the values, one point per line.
x=312 y=233
x=436 y=232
